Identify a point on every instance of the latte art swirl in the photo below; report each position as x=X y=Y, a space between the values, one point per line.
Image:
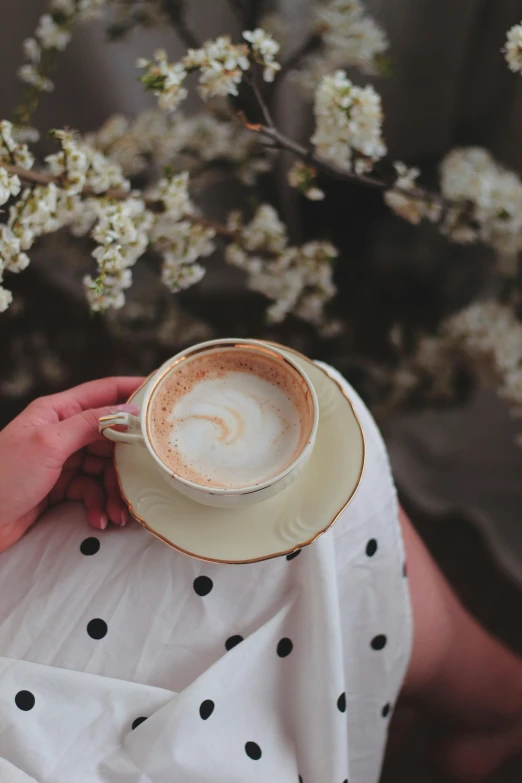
x=229 y=421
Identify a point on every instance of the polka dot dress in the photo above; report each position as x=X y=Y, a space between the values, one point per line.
x=124 y=661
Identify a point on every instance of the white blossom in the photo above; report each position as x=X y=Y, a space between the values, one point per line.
x=10 y=185
x=34 y=214
x=179 y=239
x=491 y=199
x=513 y=48
x=265 y=231
x=177 y=276
x=188 y=241
x=165 y=80
x=302 y=176
x=80 y=214
x=349 y=38
x=80 y=166
x=51 y=35
x=103 y=295
x=70 y=164
x=12 y=151
x=122 y=231
x=221 y=65
x=26 y=133
x=489 y=335
x=348 y=121
x=489 y=328
x=32 y=50
x=276 y=26
x=414 y=207
x=11 y=258
x=265 y=49
x=30 y=75
x=174 y=194
x=182 y=142
x=6 y=298
x=297 y=279
x=91 y=9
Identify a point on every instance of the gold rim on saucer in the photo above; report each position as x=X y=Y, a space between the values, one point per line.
x=294 y=547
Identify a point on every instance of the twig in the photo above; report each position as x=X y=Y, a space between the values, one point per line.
x=282 y=142
x=219 y=228
x=262 y=104
x=34 y=178
x=24 y=111
x=278 y=141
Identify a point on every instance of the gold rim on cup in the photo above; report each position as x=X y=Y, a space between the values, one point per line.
x=311 y=540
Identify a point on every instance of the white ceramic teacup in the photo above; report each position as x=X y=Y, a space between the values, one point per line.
x=138 y=430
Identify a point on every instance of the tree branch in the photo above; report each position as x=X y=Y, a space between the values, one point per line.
x=282 y=142
x=32 y=177
x=262 y=104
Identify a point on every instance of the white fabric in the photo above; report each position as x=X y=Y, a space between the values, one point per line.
x=68 y=701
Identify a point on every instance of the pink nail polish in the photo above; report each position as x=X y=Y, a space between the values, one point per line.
x=124 y=517
x=104 y=521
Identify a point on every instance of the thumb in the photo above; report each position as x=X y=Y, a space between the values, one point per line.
x=81 y=429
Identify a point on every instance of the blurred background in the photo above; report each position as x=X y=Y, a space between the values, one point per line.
x=457 y=466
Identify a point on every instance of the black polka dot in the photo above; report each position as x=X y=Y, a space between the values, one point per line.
x=232 y=641
x=300 y=779
x=345 y=780
x=206 y=708
x=341 y=702
x=203 y=585
x=90 y=546
x=97 y=628
x=253 y=750
x=293 y=554
x=137 y=722
x=284 y=647
x=385 y=711
x=371 y=547
x=24 y=700
x=379 y=642
x=404 y=571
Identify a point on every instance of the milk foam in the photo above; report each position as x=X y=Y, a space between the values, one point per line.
x=230 y=419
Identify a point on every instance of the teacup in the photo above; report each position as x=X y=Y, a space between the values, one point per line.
x=227 y=422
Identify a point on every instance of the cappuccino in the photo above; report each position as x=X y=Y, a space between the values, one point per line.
x=230 y=418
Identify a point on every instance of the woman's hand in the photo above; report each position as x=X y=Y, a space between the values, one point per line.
x=53 y=451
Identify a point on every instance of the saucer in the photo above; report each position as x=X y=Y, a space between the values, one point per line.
x=294 y=518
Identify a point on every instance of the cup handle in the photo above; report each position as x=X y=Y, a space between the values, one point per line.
x=133 y=437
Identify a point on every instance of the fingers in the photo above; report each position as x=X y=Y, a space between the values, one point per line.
x=105 y=391
x=74 y=461
x=94 y=466
x=90 y=492
x=58 y=492
x=102 y=448
x=81 y=429
x=116 y=508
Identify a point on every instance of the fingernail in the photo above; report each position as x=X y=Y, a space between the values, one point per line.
x=128 y=407
x=124 y=517
x=104 y=521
